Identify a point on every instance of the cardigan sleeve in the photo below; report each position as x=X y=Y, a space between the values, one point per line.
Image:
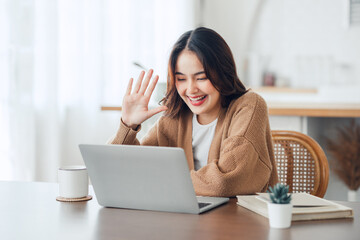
x=127 y=136
x=244 y=164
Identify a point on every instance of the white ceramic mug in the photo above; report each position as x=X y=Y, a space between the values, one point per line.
x=73 y=182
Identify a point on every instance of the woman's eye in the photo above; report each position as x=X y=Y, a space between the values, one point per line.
x=202 y=78
x=181 y=79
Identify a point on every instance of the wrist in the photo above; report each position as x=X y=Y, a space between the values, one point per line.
x=132 y=126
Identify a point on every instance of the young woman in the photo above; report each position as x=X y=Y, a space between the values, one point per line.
x=223 y=128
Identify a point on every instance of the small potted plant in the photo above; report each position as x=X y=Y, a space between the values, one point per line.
x=280 y=207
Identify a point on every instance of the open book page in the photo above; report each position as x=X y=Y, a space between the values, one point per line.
x=329 y=210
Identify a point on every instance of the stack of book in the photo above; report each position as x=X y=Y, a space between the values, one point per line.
x=305 y=206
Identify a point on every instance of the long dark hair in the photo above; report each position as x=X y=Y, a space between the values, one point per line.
x=219 y=66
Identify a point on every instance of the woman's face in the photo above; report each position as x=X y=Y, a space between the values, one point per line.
x=195 y=88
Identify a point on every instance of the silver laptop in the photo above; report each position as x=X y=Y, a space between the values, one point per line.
x=144 y=177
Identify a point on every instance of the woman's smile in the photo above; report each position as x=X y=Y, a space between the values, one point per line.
x=197 y=101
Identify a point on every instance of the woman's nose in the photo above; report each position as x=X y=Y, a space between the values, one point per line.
x=192 y=87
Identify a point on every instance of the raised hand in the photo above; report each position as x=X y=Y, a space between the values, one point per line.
x=135 y=106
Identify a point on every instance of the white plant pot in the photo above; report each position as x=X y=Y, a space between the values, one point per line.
x=353 y=195
x=280 y=215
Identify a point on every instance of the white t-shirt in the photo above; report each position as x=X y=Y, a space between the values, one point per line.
x=202 y=136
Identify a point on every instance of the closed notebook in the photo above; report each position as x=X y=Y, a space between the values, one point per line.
x=305 y=207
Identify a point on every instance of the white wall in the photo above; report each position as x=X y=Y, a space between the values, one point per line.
x=226 y=17
x=306 y=43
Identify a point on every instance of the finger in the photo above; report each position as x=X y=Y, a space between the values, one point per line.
x=138 y=83
x=152 y=86
x=157 y=110
x=145 y=84
x=128 y=90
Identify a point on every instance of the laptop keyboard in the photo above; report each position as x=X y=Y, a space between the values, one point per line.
x=201 y=204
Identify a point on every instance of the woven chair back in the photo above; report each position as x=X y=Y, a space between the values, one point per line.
x=301 y=162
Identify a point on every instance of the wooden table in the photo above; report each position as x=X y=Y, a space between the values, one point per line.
x=28 y=210
x=314 y=109
x=311 y=104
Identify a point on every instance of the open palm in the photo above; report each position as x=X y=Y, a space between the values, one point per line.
x=135 y=106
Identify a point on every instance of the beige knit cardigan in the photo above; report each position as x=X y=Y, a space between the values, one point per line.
x=241 y=158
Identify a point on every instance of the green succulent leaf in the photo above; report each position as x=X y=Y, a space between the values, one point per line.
x=279 y=194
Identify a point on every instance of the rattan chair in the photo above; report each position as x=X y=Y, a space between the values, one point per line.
x=301 y=162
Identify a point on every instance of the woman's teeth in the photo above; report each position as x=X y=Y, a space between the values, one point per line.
x=197 y=98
